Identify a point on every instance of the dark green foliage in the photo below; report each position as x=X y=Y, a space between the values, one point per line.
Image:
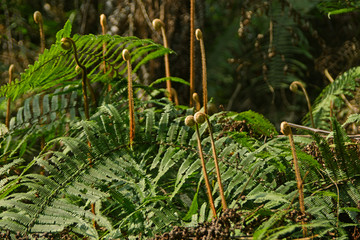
x=344 y=84
x=88 y=173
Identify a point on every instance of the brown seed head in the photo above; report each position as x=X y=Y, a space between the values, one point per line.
x=190 y=121
x=198 y=34
x=65 y=44
x=158 y=24
x=37 y=17
x=200 y=117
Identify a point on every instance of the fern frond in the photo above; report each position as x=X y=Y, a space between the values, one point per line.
x=343 y=84
x=56 y=66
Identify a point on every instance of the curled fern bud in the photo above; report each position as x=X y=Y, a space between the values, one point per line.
x=285 y=128
x=190 y=121
x=37 y=17
x=294 y=87
x=103 y=20
x=126 y=55
x=198 y=34
x=157 y=24
x=200 y=117
x=65 y=44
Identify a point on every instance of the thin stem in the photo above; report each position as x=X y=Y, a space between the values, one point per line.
x=286 y=130
x=159 y=25
x=196 y=101
x=293 y=87
x=199 y=36
x=127 y=58
x=103 y=24
x=38 y=19
x=83 y=71
x=207 y=183
x=192 y=50
x=7 y=119
x=221 y=189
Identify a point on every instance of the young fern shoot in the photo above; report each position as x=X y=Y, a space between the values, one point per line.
x=294 y=87
x=286 y=130
x=200 y=118
x=199 y=37
x=160 y=26
x=192 y=51
x=66 y=44
x=190 y=121
x=7 y=119
x=103 y=24
x=38 y=20
x=127 y=58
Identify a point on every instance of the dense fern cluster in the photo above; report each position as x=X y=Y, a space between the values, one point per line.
x=90 y=182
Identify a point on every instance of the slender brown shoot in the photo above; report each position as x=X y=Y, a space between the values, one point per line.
x=66 y=44
x=38 y=20
x=192 y=51
x=160 y=26
x=175 y=96
x=286 y=130
x=294 y=87
x=196 y=100
x=218 y=175
x=199 y=37
x=127 y=58
x=190 y=121
x=7 y=119
x=103 y=24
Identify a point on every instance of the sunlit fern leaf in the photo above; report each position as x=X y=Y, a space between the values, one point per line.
x=57 y=66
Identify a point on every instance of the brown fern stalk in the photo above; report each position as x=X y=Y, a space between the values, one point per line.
x=294 y=87
x=127 y=58
x=159 y=25
x=190 y=121
x=201 y=115
x=38 y=20
x=7 y=119
x=103 y=24
x=196 y=101
x=67 y=43
x=286 y=130
x=199 y=37
x=192 y=50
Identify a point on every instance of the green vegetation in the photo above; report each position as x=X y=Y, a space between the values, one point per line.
x=92 y=152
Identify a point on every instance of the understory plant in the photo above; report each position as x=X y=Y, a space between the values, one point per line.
x=100 y=182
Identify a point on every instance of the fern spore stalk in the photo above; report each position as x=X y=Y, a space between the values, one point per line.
x=39 y=20
x=66 y=44
x=127 y=58
x=160 y=26
x=199 y=37
x=191 y=121
x=286 y=130
x=7 y=119
x=192 y=50
x=294 y=87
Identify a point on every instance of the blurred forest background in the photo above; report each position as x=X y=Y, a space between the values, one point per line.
x=254 y=48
